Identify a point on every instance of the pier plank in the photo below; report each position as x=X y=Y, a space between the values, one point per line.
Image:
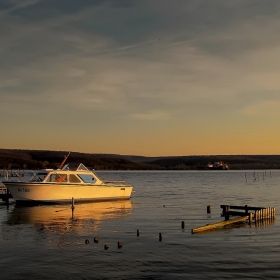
x=242 y=207
x=234 y=213
x=219 y=224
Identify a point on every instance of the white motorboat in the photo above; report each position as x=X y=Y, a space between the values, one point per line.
x=65 y=185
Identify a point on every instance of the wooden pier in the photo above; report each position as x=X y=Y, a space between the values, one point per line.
x=257 y=215
x=3 y=193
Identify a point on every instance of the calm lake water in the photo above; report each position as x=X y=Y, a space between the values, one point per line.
x=48 y=242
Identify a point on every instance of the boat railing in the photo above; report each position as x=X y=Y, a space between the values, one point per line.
x=13 y=173
x=54 y=177
x=34 y=177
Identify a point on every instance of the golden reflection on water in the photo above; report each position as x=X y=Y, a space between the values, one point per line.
x=63 y=219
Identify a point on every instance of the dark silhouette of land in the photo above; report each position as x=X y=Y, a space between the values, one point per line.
x=36 y=159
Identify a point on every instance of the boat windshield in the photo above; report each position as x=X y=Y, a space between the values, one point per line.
x=82 y=167
x=56 y=177
x=38 y=177
x=87 y=178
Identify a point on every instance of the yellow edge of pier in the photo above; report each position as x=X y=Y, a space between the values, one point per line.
x=220 y=224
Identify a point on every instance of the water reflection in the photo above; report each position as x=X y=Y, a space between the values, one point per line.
x=63 y=219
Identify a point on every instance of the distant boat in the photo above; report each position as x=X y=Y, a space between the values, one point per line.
x=63 y=185
x=218 y=165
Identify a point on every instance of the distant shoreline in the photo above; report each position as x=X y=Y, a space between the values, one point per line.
x=36 y=159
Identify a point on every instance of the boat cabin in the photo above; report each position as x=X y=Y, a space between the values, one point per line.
x=79 y=175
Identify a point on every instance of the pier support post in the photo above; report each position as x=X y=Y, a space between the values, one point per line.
x=73 y=204
x=72 y=208
x=250 y=218
x=7 y=198
x=183 y=225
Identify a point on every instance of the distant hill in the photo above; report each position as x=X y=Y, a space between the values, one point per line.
x=36 y=159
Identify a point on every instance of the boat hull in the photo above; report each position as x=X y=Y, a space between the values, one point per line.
x=63 y=193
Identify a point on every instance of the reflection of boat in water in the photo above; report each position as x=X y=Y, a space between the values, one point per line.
x=61 y=217
x=218 y=165
x=61 y=185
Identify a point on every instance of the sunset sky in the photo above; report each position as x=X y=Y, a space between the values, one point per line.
x=149 y=77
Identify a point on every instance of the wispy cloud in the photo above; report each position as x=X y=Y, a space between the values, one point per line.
x=267 y=108
x=141 y=60
x=152 y=115
x=10 y=6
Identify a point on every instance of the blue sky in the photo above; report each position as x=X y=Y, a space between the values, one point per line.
x=140 y=77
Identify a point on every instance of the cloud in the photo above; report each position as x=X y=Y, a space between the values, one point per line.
x=152 y=116
x=141 y=60
x=265 y=109
x=8 y=7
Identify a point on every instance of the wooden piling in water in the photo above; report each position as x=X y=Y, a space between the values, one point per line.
x=260 y=215
x=73 y=204
x=7 y=198
x=265 y=214
x=251 y=218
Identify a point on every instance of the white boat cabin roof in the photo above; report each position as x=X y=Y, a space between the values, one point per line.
x=74 y=167
x=68 y=174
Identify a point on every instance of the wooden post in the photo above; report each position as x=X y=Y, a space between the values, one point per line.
x=72 y=214
x=7 y=198
x=73 y=202
x=225 y=212
x=257 y=215
x=183 y=224
x=250 y=218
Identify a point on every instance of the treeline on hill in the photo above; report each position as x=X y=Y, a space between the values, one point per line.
x=37 y=159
